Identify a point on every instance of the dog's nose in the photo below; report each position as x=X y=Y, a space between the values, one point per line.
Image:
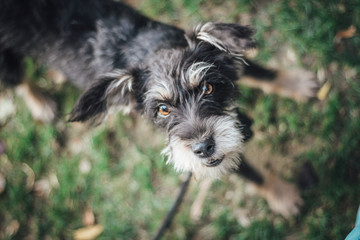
x=204 y=149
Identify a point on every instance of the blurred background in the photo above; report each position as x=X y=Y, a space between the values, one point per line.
x=61 y=177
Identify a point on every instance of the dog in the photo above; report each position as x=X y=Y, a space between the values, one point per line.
x=182 y=82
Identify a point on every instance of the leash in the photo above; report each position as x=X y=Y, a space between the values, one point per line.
x=167 y=221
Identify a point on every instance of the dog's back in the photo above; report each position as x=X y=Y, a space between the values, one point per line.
x=83 y=39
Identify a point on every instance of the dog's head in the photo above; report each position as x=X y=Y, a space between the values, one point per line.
x=189 y=92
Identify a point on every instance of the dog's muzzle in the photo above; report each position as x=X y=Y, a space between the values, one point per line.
x=213 y=162
x=205 y=150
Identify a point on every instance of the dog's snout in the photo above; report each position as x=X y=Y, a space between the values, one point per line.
x=204 y=149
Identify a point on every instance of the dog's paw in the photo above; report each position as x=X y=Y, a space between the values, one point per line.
x=41 y=106
x=298 y=84
x=57 y=76
x=283 y=197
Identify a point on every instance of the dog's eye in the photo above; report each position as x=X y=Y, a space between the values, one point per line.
x=164 y=110
x=208 y=88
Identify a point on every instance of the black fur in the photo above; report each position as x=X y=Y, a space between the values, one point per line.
x=182 y=82
x=126 y=60
x=83 y=39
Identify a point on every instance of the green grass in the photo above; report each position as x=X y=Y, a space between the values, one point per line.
x=130 y=188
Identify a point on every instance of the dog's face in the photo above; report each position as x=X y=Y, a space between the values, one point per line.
x=190 y=93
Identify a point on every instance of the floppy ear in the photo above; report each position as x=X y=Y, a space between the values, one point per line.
x=228 y=37
x=113 y=90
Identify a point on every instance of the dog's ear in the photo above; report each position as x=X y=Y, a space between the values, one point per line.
x=112 y=91
x=228 y=37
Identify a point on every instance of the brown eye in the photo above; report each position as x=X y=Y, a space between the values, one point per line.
x=164 y=110
x=208 y=88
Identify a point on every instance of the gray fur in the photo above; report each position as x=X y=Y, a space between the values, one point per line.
x=127 y=61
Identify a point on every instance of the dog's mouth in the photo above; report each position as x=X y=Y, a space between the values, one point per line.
x=213 y=162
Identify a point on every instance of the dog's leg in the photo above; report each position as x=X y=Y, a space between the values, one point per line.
x=283 y=198
x=198 y=204
x=42 y=107
x=56 y=76
x=249 y=173
x=297 y=84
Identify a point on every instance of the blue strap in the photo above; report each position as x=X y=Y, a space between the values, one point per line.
x=355 y=233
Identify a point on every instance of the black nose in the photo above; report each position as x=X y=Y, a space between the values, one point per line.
x=204 y=149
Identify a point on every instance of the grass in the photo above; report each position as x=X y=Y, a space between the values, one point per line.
x=126 y=182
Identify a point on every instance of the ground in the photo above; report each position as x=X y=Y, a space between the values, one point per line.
x=57 y=178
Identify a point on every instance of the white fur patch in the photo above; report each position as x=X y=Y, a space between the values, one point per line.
x=117 y=92
x=228 y=140
x=203 y=33
x=161 y=90
x=123 y=81
x=197 y=71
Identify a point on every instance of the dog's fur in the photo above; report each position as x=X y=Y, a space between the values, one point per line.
x=182 y=82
